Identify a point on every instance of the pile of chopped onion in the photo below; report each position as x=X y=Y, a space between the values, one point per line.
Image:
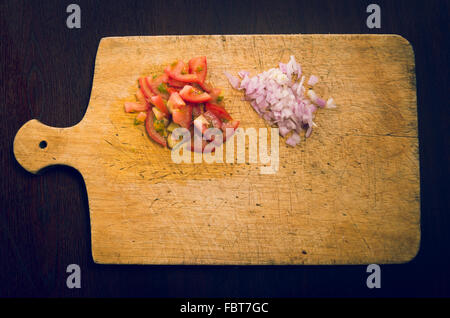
x=279 y=96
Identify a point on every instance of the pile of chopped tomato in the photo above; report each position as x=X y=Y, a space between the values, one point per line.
x=181 y=97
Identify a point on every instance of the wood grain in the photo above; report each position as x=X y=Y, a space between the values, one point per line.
x=348 y=195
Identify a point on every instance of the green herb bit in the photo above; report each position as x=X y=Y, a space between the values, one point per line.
x=159 y=125
x=163 y=88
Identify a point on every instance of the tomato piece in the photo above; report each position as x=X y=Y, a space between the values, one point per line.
x=216 y=98
x=145 y=88
x=175 y=101
x=159 y=103
x=218 y=111
x=183 y=116
x=194 y=95
x=197 y=66
x=208 y=120
x=140 y=118
x=174 y=83
x=158 y=85
x=179 y=71
x=201 y=124
x=213 y=119
x=171 y=89
x=151 y=131
x=206 y=87
x=197 y=110
x=141 y=98
x=131 y=107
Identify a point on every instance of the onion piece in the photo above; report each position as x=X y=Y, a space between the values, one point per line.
x=234 y=81
x=330 y=103
x=293 y=140
x=313 y=80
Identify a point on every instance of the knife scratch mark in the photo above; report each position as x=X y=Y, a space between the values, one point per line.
x=159 y=177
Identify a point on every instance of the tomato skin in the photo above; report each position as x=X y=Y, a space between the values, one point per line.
x=145 y=88
x=176 y=71
x=193 y=95
x=152 y=133
x=198 y=66
x=141 y=98
x=171 y=89
x=174 y=83
x=159 y=103
x=218 y=111
x=154 y=83
x=183 y=116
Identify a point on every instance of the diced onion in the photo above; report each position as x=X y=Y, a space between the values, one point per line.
x=279 y=97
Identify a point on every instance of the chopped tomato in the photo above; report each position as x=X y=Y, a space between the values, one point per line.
x=183 y=116
x=209 y=120
x=194 y=95
x=180 y=72
x=131 y=107
x=213 y=119
x=198 y=66
x=218 y=111
x=197 y=110
x=216 y=98
x=140 y=118
x=174 y=83
x=158 y=85
x=152 y=133
x=141 y=98
x=171 y=89
x=175 y=101
x=178 y=96
x=201 y=124
x=206 y=87
x=159 y=103
x=145 y=88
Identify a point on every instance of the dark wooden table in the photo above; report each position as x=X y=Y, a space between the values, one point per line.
x=46 y=73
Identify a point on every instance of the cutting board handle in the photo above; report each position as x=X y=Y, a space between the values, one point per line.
x=37 y=146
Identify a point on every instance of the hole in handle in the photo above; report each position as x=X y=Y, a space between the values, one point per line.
x=43 y=144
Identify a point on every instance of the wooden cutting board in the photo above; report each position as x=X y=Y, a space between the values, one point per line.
x=347 y=195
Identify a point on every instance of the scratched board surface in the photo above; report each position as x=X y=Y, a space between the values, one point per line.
x=347 y=195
